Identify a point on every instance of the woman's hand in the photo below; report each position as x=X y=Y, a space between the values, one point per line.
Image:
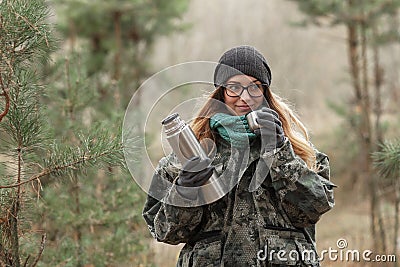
x=271 y=130
x=195 y=172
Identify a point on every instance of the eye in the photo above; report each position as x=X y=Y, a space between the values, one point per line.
x=234 y=87
x=253 y=86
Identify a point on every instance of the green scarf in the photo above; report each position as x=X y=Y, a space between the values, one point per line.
x=234 y=129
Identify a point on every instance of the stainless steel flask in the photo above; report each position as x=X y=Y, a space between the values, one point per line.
x=185 y=145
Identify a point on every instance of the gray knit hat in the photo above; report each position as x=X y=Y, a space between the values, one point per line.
x=242 y=60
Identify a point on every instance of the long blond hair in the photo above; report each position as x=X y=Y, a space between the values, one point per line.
x=293 y=128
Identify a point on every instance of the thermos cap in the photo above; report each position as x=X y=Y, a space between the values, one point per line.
x=173 y=124
x=170 y=118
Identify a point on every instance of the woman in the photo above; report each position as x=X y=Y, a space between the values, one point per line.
x=267 y=223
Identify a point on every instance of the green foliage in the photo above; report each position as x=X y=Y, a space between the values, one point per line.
x=61 y=165
x=387 y=160
x=119 y=28
x=335 y=12
x=350 y=118
x=108 y=221
x=316 y=8
x=369 y=25
x=25 y=35
x=24 y=122
x=97 y=148
x=24 y=41
x=96 y=204
x=339 y=109
x=366 y=22
x=140 y=20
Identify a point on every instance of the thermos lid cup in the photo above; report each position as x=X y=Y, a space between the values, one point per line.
x=170 y=118
x=252 y=120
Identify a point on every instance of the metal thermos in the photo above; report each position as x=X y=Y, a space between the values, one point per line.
x=185 y=145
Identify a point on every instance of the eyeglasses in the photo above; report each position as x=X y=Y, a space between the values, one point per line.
x=236 y=89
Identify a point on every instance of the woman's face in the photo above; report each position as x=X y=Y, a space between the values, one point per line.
x=245 y=103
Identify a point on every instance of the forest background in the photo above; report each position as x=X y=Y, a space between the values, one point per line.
x=69 y=69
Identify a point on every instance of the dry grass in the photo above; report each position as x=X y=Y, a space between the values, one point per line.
x=348 y=220
x=165 y=255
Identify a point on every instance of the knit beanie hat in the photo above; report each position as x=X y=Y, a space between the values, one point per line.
x=242 y=60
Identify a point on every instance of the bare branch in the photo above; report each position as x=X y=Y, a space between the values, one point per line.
x=7 y=98
x=42 y=243
x=26 y=260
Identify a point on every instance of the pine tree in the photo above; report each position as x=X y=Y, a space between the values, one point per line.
x=369 y=25
x=387 y=160
x=28 y=150
x=92 y=216
x=99 y=218
x=64 y=198
x=119 y=35
x=108 y=44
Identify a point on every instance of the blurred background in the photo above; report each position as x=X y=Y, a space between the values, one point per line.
x=70 y=67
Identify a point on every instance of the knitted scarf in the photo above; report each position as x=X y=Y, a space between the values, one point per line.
x=234 y=129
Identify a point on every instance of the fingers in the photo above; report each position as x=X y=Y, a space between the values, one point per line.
x=191 y=163
x=200 y=178
x=266 y=124
x=266 y=112
x=268 y=118
x=195 y=172
x=195 y=164
x=271 y=129
x=278 y=127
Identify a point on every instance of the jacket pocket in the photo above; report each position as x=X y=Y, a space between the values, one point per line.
x=206 y=252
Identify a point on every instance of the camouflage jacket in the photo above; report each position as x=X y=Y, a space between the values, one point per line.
x=248 y=227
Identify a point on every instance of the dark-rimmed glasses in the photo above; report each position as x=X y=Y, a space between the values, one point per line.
x=236 y=89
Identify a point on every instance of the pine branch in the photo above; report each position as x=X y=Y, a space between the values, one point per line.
x=60 y=169
x=387 y=159
x=31 y=25
x=25 y=123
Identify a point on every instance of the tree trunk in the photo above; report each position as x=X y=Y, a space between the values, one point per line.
x=366 y=140
x=396 y=220
x=364 y=102
x=357 y=51
x=378 y=80
x=118 y=44
x=16 y=261
x=352 y=42
x=77 y=228
x=14 y=234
